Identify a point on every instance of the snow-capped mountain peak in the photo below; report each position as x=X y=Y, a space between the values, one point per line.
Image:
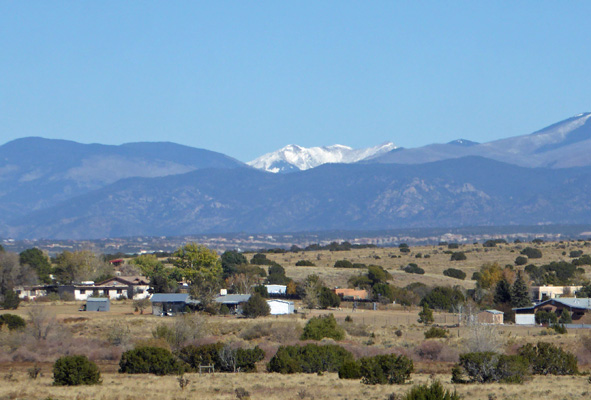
x=293 y=157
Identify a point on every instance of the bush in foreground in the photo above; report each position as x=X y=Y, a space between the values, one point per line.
x=455 y=273
x=488 y=367
x=548 y=359
x=13 y=322
x=383 y=369
x=435 y=332
x=150 y=360
x=435 y=391
x=322 y=327
x=75 y=370
x=223 y=358
x=310 y=358
x=256 y=306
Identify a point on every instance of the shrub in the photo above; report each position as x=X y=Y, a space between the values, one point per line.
x=487 y=367
x=256 y=306
x=350 y=370
x=521 y=260
x=531 y=252
x=327 y=298
x=455 y=273
x=413 y=268
x=262 y=291
x=546 y=358
x=565 y=317
x=321 y=327
x=443 y=298
x=343 y=264
x=305 y=263
x=11 y=300
x=310 y=358
x=435 y=332
x=383 y=369
x=458 y=256
x=546 y=317
x=426 y=315
x=208 y=354
x=75 y=370
x=12 y=321
x=150 y=360
x=559 y=328
x=429 y=350
x=575 y=253
x=435 y=391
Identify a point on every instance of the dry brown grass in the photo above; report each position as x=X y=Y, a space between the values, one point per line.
x=271 y=386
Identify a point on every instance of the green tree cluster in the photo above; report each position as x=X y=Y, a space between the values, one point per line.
x=75 y=370
x=310 y=358
x=318 y=328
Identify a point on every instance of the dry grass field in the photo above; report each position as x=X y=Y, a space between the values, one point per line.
x=370 y=333
x=392 y=259
x=273 y=387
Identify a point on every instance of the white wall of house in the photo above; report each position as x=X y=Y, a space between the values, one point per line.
x=139 y=292
x=525 y=319
x=280 y=307
x=31 y=294
x=276 y=289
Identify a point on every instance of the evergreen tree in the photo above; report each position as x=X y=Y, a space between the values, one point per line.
x=565 y=317
x=520 y=293
x=502 y=292
x=426 y=315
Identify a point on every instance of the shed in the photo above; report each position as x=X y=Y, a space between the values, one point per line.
x=281 y=307
x=98 y=304
x=493 y=317
x=169 y=303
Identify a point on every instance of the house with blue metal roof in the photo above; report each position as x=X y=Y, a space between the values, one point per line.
x=579 y=308
x=175 y=303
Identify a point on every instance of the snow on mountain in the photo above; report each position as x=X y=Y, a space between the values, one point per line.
x=293 y=157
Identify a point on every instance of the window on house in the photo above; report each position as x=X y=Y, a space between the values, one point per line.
x=119 y=291
x=82 y=291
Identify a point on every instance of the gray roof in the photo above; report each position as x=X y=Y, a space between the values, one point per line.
x=98 y=299
x=494 y=311
x=571 y=302
x=232 y=299
x=169 y=298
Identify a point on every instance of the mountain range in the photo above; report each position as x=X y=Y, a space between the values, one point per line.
x=61 y=189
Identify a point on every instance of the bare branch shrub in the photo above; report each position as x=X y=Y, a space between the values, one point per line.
x=41 y=322
x=119 y=334
x=184 y=329
x=480 y=337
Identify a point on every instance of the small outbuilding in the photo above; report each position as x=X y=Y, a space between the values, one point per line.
x=280 y=307
x=97 y=304
x=492 y=317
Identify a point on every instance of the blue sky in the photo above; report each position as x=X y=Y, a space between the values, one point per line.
x=246 y=78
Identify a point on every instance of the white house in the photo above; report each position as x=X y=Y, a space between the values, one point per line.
x=276 y=289
x=280 y=307
x=128 y=287
x=32 y=292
